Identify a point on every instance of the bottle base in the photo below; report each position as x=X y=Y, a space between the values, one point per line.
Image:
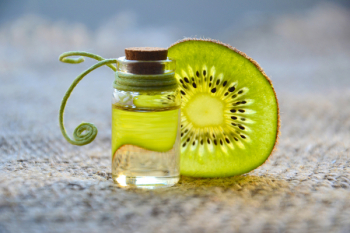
x=146 y=182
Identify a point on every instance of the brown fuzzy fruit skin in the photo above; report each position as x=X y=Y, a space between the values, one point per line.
x=258 y=67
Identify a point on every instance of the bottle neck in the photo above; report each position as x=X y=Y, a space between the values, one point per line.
x=144 y=82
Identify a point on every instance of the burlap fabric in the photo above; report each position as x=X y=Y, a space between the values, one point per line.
x=48 y=185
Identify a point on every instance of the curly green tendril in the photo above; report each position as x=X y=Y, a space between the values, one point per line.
x=85 y=132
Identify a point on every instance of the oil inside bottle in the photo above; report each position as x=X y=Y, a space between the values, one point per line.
x=145 y=146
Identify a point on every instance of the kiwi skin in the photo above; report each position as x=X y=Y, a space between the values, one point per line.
x=262 y=72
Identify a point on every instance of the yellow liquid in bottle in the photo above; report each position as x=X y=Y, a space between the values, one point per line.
x=145 y=147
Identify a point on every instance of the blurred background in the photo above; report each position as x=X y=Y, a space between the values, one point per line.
x=302 y=45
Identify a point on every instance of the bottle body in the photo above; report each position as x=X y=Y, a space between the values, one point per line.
x=145 y=134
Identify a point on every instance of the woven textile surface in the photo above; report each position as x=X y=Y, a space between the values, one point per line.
x=48 y=185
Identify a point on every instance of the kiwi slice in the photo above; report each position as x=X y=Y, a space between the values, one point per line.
x=229 y=112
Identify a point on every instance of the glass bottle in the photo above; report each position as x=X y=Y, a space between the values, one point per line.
x=145 y=120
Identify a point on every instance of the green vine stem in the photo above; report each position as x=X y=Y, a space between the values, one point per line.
x=64 y=58
x=85 y=132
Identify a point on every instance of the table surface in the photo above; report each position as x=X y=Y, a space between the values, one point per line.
x=49 y=185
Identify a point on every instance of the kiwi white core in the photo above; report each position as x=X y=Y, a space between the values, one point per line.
x=204 y=111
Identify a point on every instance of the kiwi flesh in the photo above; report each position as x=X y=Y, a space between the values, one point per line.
x=229 y=112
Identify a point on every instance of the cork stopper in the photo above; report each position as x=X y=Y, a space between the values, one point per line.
x=146 y=53
x=147 y=60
